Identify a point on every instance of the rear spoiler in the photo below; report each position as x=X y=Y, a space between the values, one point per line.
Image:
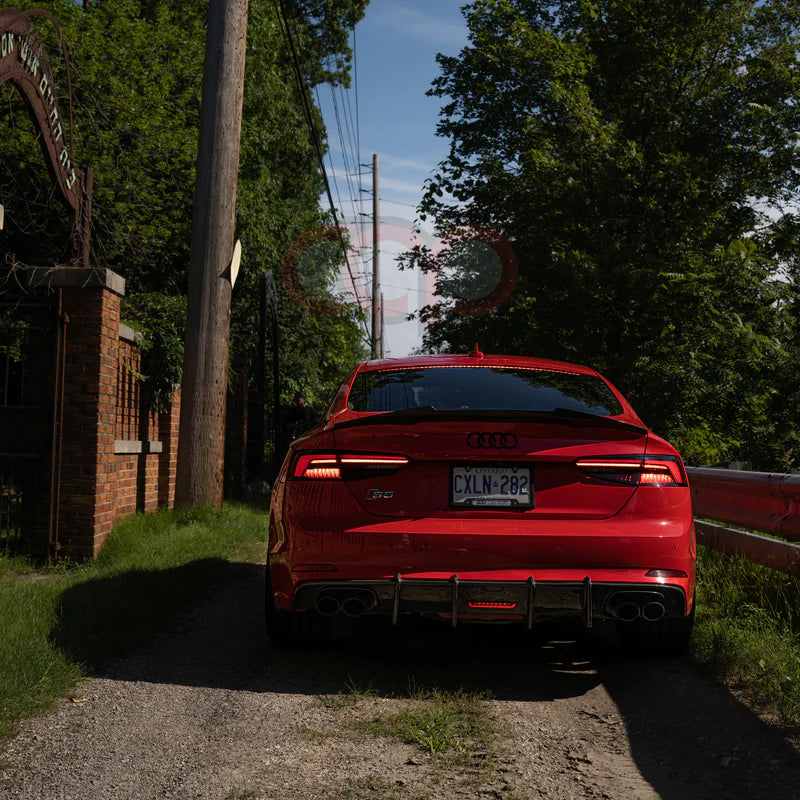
x=563 y=416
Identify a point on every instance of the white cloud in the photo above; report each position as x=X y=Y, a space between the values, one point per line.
x=400 y=185
x=403 y=19
x=407 y=163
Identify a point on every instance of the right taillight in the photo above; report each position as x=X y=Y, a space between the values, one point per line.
x=633 y=471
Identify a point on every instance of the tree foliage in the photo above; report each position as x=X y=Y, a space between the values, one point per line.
x=136 y=69
x=642 y=160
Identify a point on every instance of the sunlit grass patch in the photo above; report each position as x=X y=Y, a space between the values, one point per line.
x=57 y=624
x=438 y=721
x=747 y=630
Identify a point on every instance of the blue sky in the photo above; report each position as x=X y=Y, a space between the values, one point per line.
x=396 y=47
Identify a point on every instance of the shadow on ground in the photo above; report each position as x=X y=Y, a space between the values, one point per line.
x=102 y=618
x=689 y=738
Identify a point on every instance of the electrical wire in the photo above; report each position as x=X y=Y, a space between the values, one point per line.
x=348 y=144
x=303 y=90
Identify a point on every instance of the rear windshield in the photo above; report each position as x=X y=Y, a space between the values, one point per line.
x=481 y=388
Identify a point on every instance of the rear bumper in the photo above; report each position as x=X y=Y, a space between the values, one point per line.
x=492 y=558
x=465 y=599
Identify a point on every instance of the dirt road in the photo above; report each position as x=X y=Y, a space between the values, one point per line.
x=211 y=711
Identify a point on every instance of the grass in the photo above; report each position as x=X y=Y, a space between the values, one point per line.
x=58 y=625
x=438 y=721
x=372 y=787
x=355 y=692
x=452 y=729
x=747 y=631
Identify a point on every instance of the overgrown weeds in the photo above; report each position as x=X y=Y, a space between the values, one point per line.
x=455 y=723
x=59 y=624
x=747 y=630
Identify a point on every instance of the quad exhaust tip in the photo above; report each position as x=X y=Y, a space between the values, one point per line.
x=628 y=611
x=350 y=602
x=631 y=609
x=328 y=606
x=653 y=611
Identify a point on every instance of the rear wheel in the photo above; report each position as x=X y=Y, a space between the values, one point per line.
x=664 y=638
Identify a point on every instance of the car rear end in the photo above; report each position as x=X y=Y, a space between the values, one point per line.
x=481 y=488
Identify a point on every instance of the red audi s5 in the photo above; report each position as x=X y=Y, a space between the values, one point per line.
x=482 y=488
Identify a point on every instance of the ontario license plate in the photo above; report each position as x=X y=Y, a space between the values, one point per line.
x=491 y=486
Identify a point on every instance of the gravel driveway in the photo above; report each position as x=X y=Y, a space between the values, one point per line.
x=212 y=711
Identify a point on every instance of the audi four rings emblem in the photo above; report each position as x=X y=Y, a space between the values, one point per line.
x=492 y=441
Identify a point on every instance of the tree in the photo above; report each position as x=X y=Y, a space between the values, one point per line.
x=638 y=157
x=136 y=77
x=279 y=190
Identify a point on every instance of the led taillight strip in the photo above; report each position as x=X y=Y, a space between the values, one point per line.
x=322 y=473
x=328 y=466
x=320 y=467
x=645 y=471
x=374 y=461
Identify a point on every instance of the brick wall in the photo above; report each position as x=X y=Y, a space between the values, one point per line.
x=117 y=455
x=168 y=425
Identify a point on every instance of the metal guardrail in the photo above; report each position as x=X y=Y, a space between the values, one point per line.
x=759 y=501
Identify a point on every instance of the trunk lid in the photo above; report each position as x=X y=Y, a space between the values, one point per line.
x=443 y=445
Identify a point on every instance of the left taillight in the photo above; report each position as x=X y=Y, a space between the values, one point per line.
x=633 y=471
x=315 y=466
x=347 y=466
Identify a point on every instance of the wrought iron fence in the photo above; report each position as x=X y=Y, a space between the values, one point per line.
x=27 y=337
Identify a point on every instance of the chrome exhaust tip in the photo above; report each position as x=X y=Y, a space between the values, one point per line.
x=328 y=606
x=353 y=607
x=653 y=611
x=628 y=611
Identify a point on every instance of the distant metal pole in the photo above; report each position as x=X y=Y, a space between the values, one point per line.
x=383 y=330
x=376 y=259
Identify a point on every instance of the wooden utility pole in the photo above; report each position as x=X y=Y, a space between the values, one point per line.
x=376 y=260
x=201 y=441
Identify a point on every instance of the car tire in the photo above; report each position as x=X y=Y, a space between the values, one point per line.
x=664 y=638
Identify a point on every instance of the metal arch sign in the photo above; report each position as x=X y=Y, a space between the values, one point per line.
x=22 y=61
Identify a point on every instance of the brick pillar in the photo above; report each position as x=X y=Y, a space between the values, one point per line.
x=91 y=300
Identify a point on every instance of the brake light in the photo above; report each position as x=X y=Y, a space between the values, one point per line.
x=317 y=467
x=645 y=471
x=333 y=466
x=322 y=473
x=662 y=473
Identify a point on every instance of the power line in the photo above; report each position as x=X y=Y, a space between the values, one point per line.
x=347 y=138
x=301 y=85
x=343 y=146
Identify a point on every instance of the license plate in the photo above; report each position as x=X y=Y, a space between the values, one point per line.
x=491 y=486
